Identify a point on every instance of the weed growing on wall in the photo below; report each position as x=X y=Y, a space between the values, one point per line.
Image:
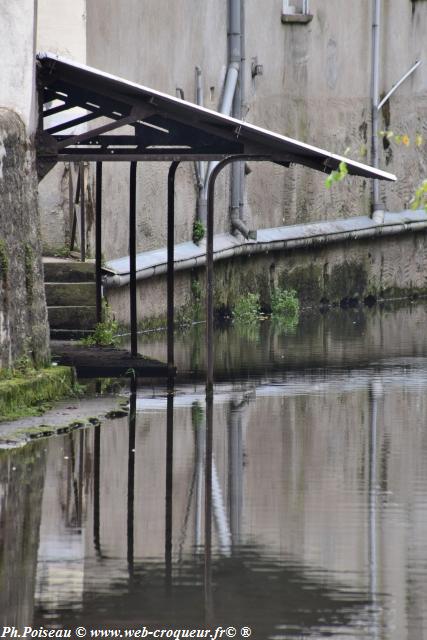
x=247 y=308
x=284 y=302
x=198 y=231
x=285 y=308
x=105 y=332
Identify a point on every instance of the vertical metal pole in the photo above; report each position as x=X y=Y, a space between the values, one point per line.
x=132 y=259
x=169 y=488
x=131 y=477
x=170 y=273
x=209 y=262
x=75 y=203
x=82 y=214
x=209 y=273
x=70 y=196
x=98 y=241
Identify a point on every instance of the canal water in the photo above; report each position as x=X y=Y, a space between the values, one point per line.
x=302 y=513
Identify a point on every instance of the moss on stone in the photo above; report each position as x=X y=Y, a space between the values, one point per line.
x=347 y=280
x=28 y=395
x=29 y=272
x=4 y=261
x=306 y=281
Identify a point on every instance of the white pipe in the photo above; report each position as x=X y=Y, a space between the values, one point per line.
x=225 y=108
x=200 y=165
x=249 y=248
x=398 y=83
x=223 y=528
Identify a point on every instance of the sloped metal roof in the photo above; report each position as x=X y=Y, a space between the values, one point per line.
x=165 y=127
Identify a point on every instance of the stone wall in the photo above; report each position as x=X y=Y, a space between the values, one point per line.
x=23 y=320
x=344 y=272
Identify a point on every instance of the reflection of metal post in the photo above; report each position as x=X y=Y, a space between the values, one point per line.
x=235 y=473
x=131 y=476
x=132 y=260
x=98 y=241
x=170 y=272
x=169 y=488
x=81 y=464
x=96 y=487
x=375 y=393
x=208 y=507
x=200 y=452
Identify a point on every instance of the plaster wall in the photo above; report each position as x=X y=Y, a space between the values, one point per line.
x=17 y=35
x=315 y=87
x=61 y=28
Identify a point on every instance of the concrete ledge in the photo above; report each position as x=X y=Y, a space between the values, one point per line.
x=188 y=255
x=296 y=18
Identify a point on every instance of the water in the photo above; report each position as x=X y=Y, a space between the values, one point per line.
x=317 y=521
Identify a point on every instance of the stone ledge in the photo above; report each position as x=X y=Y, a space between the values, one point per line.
x=297 y=18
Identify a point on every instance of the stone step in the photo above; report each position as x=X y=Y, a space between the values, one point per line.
x=72 y=317
x=61 y=270
x=70 y=293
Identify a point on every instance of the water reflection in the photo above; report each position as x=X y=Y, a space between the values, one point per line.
x=295 y=503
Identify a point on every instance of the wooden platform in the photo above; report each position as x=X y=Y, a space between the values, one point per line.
x=106 y=362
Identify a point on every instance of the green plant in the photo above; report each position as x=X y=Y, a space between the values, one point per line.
x=284 y=303
x=62 y=252
x=198 y=231
x=247 y=308
x=105 y=332
x=337 y=176
x=419 y=201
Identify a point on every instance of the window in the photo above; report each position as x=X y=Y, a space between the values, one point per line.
x=296 y=11
x=301 y=7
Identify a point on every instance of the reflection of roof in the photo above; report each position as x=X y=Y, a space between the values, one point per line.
x=166 y=128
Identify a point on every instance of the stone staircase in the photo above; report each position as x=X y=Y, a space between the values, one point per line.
x=70 y=297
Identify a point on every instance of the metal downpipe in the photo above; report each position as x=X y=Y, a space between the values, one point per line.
x=377 y=207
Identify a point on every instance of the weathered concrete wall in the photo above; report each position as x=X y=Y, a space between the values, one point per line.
x=61 y=28
x=315 y=87
x=17 y=33
x=387 y=267
x=23 y=320
x=158 y=45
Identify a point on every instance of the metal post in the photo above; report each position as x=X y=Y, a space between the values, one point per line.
x=75 y=203
x=170 y=273
x=82 y=214
x=169 y=487
x=132 y=260
x=131 y=477
x=98 y=242
x=209 y=261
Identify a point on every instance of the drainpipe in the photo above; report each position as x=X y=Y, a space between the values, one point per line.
x=231 y=104
x=230 y=85
x=199 y=166
x=377 y=208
